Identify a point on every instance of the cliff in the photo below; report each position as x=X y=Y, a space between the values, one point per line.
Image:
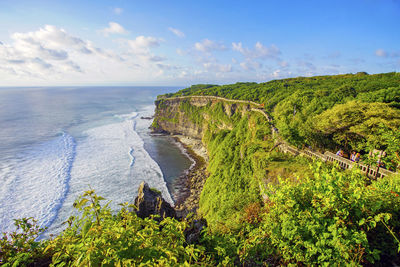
x=169 y=118
x=190 y=116
x=231 y=132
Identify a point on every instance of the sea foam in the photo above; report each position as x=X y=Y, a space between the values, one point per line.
x=111 y=159
x=44 y=181
x=35 y=183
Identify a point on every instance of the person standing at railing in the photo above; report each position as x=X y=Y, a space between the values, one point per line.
x=357 y=157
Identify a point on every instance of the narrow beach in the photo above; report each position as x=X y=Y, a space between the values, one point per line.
x=190 y=184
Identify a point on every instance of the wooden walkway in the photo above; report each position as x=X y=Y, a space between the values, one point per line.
x=344 y=163
x=214 y=98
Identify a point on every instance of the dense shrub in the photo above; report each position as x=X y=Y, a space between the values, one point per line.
x=20 y=248
x=97 y=237
x=333 y=218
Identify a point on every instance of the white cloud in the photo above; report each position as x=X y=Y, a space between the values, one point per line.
x=166 y=66
x=215 y=67
x=208 y=46
x=306 y=65
x=177 y=32
x=250 y=65
x=280 y=74
x=183 y=74
x=259 y=52
x=380 y=53
x=283 y=64
x=114 y=28
x=276 y=74
x=51 y=53
x=384 y=53
x=142 y=43
x=141 y=48
x=180 y=52
x=118 y=11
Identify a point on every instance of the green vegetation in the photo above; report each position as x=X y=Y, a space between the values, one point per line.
x=333 y=217
x=262 y=207
x=193 y=113
x=329 y=217
x=296 y=103
x=98 y=237
x=354 y=123
x=20 y=247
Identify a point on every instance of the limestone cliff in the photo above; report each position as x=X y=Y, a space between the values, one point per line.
x=170 y=118
x=191 y=116
x=193 y=120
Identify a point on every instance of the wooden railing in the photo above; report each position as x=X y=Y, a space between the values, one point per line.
x=215 y=98
x=344 y=163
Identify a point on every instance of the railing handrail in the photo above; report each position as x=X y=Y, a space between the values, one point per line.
x=215 y=97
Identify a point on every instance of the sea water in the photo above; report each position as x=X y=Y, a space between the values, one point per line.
x=56 y=143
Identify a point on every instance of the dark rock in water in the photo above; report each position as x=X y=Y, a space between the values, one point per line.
x=147 y=118
x=150 y=202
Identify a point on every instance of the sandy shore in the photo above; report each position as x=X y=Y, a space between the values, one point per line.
x=194 y=144
x=191 y=184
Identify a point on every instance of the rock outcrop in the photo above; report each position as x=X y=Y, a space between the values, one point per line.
x=169 y=118
x=150 y=202
x=173 y=115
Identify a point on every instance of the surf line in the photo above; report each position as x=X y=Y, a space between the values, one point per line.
x=132 y=157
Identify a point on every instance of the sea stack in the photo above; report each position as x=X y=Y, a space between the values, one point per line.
x=150 y=202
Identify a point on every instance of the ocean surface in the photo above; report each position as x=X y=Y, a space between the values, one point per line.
x=56 y=143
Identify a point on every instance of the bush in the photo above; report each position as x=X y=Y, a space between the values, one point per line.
x=20 y=248
x=98 y=237
x=333 y=217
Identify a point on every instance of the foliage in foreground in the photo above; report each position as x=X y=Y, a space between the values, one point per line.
x=20 y=247
x=98 y=237
x=330 y=218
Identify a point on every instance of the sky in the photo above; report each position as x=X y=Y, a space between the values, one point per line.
x=179 y=43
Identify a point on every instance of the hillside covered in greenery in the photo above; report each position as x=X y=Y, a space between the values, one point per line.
x=262 y=207
x=301 y=107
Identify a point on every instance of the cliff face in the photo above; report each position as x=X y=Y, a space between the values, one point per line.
x=169 y=118
x=237 y=140
x=192 y=116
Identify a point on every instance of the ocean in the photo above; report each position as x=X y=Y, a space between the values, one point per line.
x=56 y=143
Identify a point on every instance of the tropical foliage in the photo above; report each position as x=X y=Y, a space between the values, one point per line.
x=262 y=207
x=296 y=103
x=329 y=217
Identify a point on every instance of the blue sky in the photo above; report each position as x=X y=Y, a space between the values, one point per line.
x=188 y=42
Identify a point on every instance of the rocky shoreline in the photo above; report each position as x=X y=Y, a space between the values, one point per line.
x=191 y=184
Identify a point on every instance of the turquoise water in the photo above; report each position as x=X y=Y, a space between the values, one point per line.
x=55 y=143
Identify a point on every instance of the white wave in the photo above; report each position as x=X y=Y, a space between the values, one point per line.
x=132 y=157
x=111 y=159
x=35 y=183
x=131 y=115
